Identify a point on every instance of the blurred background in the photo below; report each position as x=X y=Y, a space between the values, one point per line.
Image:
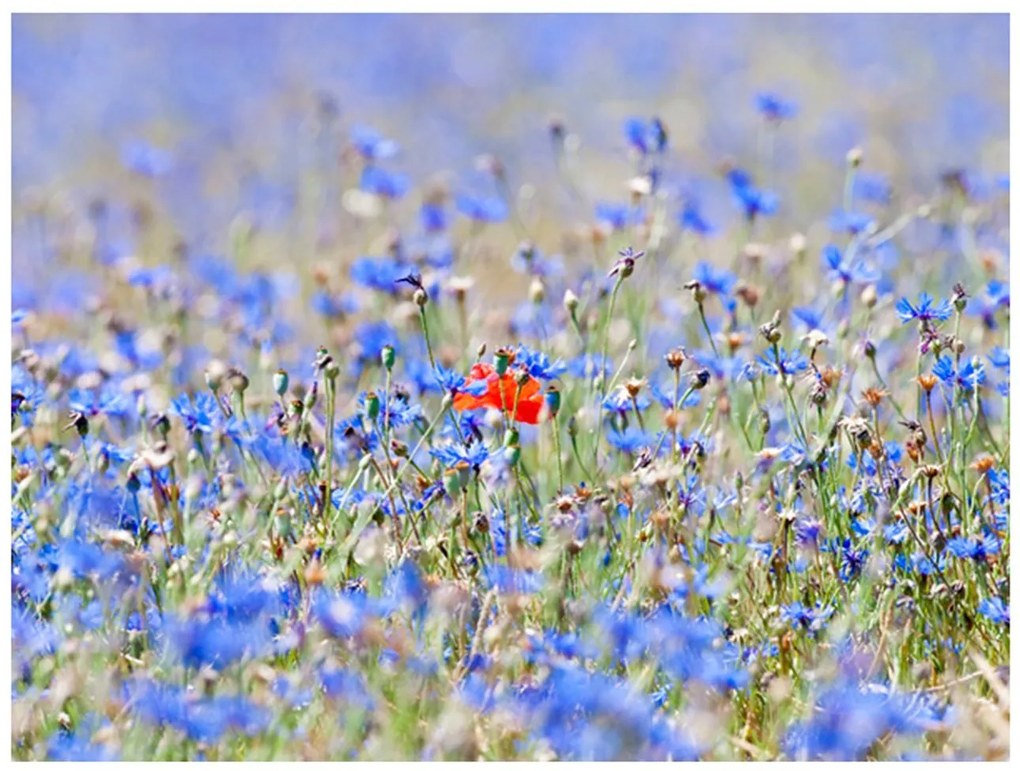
x=160 y=136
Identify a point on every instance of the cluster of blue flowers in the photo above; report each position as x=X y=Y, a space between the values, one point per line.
x=501 y=463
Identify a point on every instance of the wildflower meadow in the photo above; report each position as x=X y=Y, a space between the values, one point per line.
x=531 y=387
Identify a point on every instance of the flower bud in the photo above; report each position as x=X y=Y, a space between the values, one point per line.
x=697 y=292
x=570 y=301
x=160 y=423
x=798 y=244
x=214 y=374
x=502 y=359
x=675 y=358
x=959 y=297
x=281 y=380
x=312 y=396
x=388 y=356
x=869 y=296
x=536 y=291
x=238 y=380
x=552 y=399
x=372 y=405
x=511 y=437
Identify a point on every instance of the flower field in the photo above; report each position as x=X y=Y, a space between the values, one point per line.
x=510 y=388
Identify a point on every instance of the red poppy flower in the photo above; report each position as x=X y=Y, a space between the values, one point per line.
x=501 y=394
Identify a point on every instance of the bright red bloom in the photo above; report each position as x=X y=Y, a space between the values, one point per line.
x=501 y=394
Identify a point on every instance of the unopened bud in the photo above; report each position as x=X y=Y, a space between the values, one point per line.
x=536 y=291
x=238 y=380
x=372 y=405
x=388 y=356
x=869 y=296
x=570 y=301
x=214 y=374
x=281 y=380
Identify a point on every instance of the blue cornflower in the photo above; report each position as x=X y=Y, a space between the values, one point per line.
x=198 y=415
x=646 y=137
x=511 y=581
x=213 y=642
x=631 y=441
x=538 y=364
x=342 y=614
x=970 y=376
x=381 y=273
x=852 y=561
x=773 y=107
x=433 y=217
x=926 y=309
x=453 y=381
x=999 y=480
x=200 y=719
x=753 y=201
x=103 y=401
x=995 y=609
x=474 y=454
x=976 y=549
x=387 y=184
x=589 y=366
x=503 y=531
x=618 y=216
x=998 y=293
x=787 y=363
x=371 y=144
x=116 y=455
x=331 y=306
x=853 y=223
x=691 y=219
x=809 y=618
x=527 y=258
x=620 y=402
x=841 y=269
x=397 y=409
x=85 y=560
x=715 y=280
x=999 y=357
x=846 y=722
x=145 y=159
x=808 y=531
x=345 y=684
x=808 y=317
x=482 y=209
x=872 y=187
x=666 y=395
x=372 y=336
x=78 y=745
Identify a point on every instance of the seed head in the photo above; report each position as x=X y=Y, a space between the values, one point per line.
x=675 y=358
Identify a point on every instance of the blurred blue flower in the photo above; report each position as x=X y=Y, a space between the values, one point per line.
x=482 y=209
x=773 y=107
x=371 y=144
x=995 y=609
